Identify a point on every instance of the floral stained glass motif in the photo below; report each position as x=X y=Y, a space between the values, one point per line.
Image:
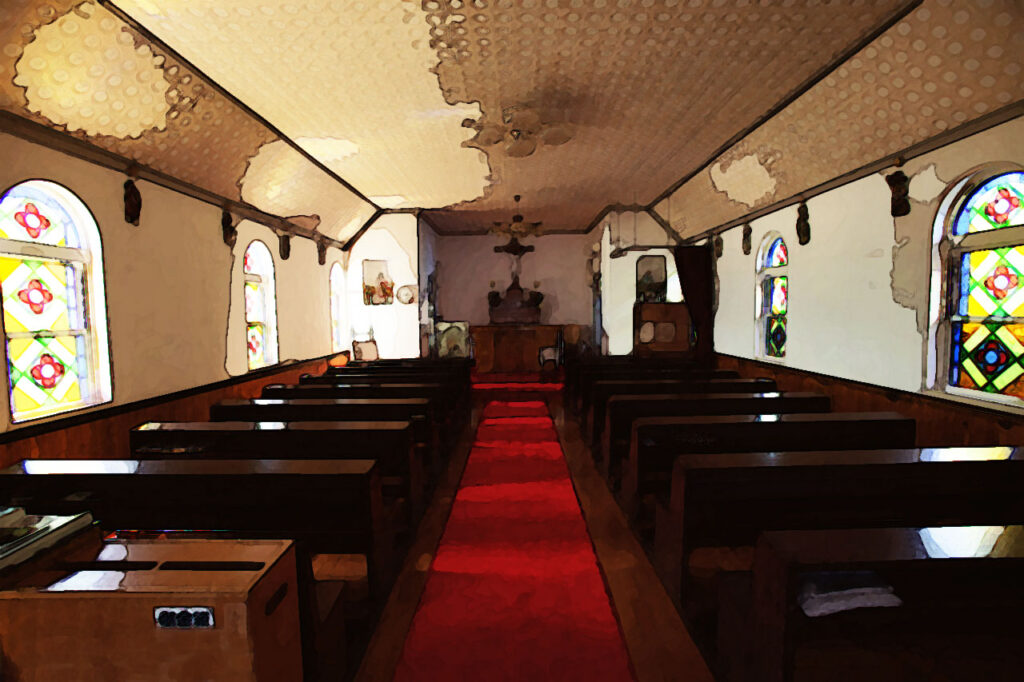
x=996 y=204
x=31 y=215
x=776 y=255
x=992 y=283
x=45 y=326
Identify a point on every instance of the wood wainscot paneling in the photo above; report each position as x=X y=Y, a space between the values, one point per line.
x=939 y=422
x=103 y=433
x=511 y=348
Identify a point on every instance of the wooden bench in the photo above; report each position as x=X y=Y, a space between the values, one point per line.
x=389 y=442
x=656 y=442
x=582 y=371
x=590 y=384
x=622 y=410
x=446 y=405
x=592 y=417
x=719 y=503
x=419 y=412
x=960 y=615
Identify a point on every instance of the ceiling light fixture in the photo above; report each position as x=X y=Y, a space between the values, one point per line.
x=521 y=131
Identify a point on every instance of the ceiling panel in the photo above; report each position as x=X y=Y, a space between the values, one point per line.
x=645 y=90
x=945 y=64
x=76 y=67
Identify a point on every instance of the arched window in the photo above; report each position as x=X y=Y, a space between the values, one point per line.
x=984 y=225
x=54 y=307
x=772 y=296
x=337 y=284
x=260 y=305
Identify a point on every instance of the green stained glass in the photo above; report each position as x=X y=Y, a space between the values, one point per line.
x=987 y=356
x=996 y=204
x=777 y=294
x=775 y=336
x=255 y=344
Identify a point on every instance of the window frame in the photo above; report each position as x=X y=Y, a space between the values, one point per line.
x=947 y=257
x=96 y=377
x=270 y=322
x=336 y=302
x=765 y=273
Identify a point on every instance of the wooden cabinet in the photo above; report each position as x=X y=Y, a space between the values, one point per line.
x=511 y=348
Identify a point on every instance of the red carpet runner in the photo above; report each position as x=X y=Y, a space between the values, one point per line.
x=514 y=592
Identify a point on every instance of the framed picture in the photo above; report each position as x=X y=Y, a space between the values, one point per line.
x=378 y=287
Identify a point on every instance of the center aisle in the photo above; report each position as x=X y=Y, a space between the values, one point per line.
x=514 y=592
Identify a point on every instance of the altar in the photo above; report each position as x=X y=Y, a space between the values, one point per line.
x=511 y=348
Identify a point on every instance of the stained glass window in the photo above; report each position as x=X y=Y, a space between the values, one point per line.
x=996 y=204
x=776 y=255
x=987 y=291
x=53 y=304
x=773 y=296
x=260 y=306
x=337 y=285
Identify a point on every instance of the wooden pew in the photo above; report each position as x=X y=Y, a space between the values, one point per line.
x=437 y=394
x=428 y=433
x=655 y=442
x=959 y=615
x=324 y=506
x=719 y=503
x=622 y=410
x=389 y=442
x=581 y=370
x=597 y=404
x=590 y=383
x=726 y=499
x=456 y=390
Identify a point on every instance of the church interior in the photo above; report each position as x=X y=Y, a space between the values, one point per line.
x=438 y=340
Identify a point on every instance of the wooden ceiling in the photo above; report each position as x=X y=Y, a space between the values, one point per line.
x=388 y=95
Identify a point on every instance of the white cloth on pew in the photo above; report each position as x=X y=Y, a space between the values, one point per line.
x=823 y=594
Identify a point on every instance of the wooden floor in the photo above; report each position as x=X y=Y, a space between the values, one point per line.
x=659 y=646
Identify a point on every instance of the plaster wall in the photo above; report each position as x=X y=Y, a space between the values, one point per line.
x=393 y=237
x=174 y=293
x=859 y=291
x=467 y=266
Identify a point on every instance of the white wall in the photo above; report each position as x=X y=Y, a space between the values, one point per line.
x=171 y=281
x=859 y=289
x=395 y=327
x=468 y=264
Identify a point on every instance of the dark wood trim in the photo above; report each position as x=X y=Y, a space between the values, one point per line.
x=36 y=133
x=359 y=233
x=664 y=225
x=978 y=125
x=151 y=37
x=793 y=95
x=89 y=414
x=941 y=421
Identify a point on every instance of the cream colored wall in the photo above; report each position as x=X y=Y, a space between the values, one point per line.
x=303 y=300
x=859 y=290
x=395 y=327
x=468 y=264
x=171 y=281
